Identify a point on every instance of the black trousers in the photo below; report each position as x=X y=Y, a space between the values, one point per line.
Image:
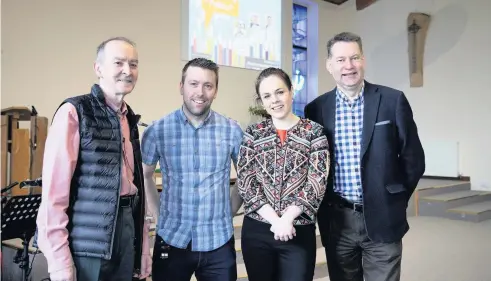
x=267 y=259
x=352 y=256
x=120 y=267
x=174 y=264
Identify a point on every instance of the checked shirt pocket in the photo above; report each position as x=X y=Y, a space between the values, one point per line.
x=216 y=155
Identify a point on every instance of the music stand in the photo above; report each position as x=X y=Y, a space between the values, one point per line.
x=19 y=221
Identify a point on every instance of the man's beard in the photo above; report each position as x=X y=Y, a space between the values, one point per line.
x=196 y=112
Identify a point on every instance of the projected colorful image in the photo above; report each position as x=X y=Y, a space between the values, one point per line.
x=237 y=33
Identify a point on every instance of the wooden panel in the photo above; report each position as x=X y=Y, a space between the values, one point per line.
x=38 y=135
x=19 y=167
x=22 y=113
x=4 y=156
x=336 y=2
x=157 y=177
x=417 y=27
x=16 y=243
x=362 y=4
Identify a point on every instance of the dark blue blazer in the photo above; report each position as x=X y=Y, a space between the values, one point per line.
x=392 y=159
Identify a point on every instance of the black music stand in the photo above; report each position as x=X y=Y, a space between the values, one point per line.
x=19 y=221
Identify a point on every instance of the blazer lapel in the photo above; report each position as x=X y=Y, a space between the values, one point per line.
x=329 y=112
x=370 y=111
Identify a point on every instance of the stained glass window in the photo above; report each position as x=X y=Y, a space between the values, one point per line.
x=299 y=28
x=299 y=57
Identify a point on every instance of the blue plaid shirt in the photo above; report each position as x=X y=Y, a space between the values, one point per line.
x=347 y=146
x=195 y=166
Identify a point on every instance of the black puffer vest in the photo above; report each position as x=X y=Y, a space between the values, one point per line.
x=96 y=182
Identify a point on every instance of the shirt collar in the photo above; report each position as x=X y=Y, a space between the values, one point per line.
x=122 y=110
x=345 y=98
x=97 y=92
x=185 y=120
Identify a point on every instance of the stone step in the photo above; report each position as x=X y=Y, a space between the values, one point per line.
x=437 y=205
x=475 y=212
x=429 y=188
x=453 y=196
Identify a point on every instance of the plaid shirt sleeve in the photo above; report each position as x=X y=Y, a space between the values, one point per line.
x=150 y=154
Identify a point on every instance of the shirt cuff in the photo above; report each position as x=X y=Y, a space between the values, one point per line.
x=59 y=260
x=63 y=274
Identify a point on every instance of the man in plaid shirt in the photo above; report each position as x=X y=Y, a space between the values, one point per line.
x=378 y=161
x=195 y=147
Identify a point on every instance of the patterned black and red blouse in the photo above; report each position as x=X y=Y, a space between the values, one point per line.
x=283 y=168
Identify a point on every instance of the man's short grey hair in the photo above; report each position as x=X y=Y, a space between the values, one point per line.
x=102 y=46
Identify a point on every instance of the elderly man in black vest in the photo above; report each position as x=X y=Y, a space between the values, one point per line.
x=91 y=222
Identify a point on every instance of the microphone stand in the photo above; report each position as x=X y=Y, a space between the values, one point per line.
x=9 y=187
x=19 y=221
x=34 y=136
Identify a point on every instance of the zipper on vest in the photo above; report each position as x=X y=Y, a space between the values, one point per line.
x=119 y=191
x=143 y=214
x=142 y=202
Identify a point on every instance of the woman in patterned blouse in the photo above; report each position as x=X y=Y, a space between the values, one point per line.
x=282 y=172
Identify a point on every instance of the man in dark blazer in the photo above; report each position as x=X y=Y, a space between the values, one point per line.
x=376 y=165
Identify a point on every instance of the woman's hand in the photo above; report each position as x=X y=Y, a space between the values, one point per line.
x=283 y=229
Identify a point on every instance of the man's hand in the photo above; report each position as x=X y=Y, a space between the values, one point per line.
x=64 y=275
x=235 y=199
x=152 y=195
x=146 y=267
x=283 y=229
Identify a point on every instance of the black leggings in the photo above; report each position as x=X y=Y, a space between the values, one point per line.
x=267 y=259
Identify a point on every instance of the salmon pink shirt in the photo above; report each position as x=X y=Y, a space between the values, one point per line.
x=60 y=158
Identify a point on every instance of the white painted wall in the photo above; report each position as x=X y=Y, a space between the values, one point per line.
x=453 y=108
x=48 y=48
